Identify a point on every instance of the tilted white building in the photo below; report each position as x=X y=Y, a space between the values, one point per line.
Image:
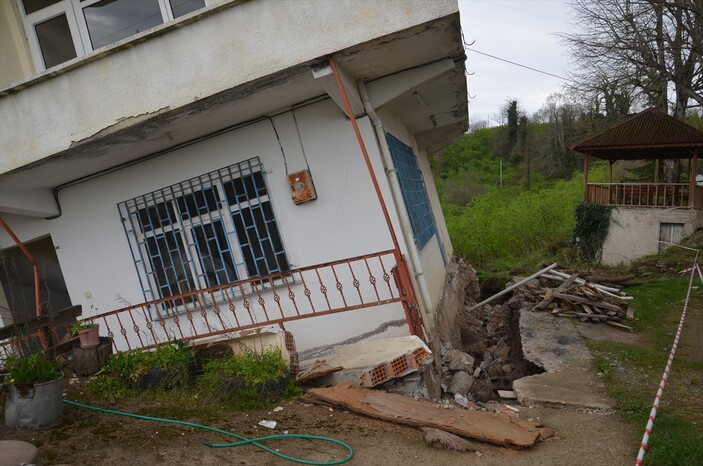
x=189 y=168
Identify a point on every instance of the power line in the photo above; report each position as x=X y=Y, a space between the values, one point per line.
x=518 y=64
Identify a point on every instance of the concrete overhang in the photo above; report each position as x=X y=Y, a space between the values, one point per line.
x=149 y=97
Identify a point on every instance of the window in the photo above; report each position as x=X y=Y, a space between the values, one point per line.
x=412 y=185
x=670 y=233
x=59 y=30
x=210 y=230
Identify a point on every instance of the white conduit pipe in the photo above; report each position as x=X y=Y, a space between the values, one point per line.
x=398 y=201
x=603 y=289
x=512 y=287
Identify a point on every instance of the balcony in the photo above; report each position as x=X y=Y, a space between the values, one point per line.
x=650 y=195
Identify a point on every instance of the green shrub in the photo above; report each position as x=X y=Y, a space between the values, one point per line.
x=32 y=369
x=124 y=372
x=249 y=379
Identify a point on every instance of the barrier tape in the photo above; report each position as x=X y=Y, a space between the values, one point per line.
x=667 y=368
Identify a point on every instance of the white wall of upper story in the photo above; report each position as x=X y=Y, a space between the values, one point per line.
x=345 y=221
x=135 y=78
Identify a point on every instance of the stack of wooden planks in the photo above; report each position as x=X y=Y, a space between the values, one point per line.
x=577 y=298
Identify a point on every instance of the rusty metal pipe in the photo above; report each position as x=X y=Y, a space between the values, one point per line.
x=365 y=153
x=400 y=262
x=35 y=267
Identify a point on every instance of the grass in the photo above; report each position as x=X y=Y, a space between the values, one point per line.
x=632 y=372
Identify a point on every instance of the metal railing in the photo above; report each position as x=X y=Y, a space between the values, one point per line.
x=660 y=195
x=356 y=283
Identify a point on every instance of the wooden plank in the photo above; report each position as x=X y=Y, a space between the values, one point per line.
x=548 y=297
x=579 y=299
x=496 y=428
x=618 y=325
x=593 y=317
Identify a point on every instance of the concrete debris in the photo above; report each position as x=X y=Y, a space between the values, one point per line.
x=268 y=424
x=569 y=387
x=507 y=394
x=461 y=383
x=461 y=400
x=458 y=360
x=317 y=370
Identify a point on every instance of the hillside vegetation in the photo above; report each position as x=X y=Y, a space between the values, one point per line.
x=502 y=222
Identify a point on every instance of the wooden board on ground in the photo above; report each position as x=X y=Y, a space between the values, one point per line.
x=495 y=428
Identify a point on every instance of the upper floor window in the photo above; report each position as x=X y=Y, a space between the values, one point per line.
x=59 y=30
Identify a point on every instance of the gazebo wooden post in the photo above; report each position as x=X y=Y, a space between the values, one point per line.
x=610 y=181
x=692 y=181
x=585 y=177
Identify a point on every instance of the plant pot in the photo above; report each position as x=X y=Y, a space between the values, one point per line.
x=34 y=405
x=90 y=337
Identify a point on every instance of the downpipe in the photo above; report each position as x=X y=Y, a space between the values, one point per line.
x=392 y=177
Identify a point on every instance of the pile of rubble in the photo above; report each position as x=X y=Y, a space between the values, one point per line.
x=566 y=295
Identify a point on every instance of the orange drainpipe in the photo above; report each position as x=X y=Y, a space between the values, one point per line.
x=400 y=260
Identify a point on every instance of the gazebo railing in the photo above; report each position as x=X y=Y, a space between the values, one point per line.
x=657 y=195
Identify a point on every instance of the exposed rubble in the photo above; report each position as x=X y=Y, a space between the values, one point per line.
x=481 y=350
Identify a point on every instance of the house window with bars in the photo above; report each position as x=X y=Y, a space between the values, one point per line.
x=210 y=230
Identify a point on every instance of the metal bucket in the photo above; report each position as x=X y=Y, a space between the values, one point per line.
x=34 y=406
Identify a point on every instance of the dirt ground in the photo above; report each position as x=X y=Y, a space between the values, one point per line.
x=86 y=437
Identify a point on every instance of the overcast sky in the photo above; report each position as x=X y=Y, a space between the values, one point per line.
x=521 y=31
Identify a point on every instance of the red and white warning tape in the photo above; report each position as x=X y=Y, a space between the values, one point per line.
x=667 y=369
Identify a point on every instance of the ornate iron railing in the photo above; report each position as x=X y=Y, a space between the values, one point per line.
x=357 y=283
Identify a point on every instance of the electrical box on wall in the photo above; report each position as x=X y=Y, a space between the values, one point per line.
x=301 y=187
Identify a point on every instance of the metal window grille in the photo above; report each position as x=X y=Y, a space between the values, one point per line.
x=209 y=230
x=412 y=185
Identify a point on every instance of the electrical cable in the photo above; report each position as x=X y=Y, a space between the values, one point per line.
x=467 y=47
x=243 y=440
x=300 y=138
x=278 y=138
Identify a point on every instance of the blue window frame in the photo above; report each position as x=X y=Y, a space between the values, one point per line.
x=412 y=185
x=209 y=230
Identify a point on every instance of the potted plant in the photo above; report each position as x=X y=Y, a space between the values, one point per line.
x=34 y=391
x=88 y=333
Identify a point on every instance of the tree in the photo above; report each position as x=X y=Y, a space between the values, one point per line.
x=640 y=51
x=652 y=45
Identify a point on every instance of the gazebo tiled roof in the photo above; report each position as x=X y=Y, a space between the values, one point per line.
x=649 y=134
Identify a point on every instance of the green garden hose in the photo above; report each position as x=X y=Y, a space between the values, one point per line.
x=243 y=440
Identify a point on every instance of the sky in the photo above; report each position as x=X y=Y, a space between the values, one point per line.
x=521 y=31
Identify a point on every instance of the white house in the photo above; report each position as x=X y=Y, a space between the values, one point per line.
x=188 y=168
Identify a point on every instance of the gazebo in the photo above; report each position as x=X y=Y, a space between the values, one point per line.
x=647 y=215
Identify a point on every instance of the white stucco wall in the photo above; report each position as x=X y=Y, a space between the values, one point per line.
x=634 y=232
x=344 y=221
x=221 y=51
x=431 y=260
